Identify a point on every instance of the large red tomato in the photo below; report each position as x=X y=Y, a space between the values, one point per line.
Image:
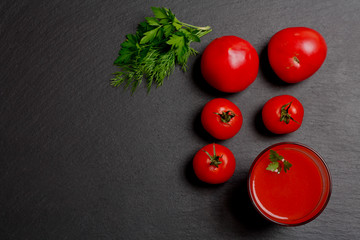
x=221 y=118
x=230 y=64
x=214 y=164
x=296 y=53
x=282 y=114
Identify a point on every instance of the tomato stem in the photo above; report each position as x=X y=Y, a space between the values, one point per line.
x=296 y=60
x=285 y=115
x=215 y=159
x=226 y=116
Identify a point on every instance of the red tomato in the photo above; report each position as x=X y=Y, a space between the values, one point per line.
x=283 y=114
x=214 y=164
x=221 y=118
x=296 y=53
x=230 y=64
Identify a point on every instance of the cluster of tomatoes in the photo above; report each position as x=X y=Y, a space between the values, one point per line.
x=230 y=64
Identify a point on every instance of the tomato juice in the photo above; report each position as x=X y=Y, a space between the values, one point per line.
x=294 y=197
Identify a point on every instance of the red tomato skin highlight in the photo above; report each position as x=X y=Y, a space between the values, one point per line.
x=209 y=173
x=212 y=122
x=271 y=114
x=230 y=64
x=296 y=53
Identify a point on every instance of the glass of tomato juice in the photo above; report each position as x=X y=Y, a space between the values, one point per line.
x=294 y=197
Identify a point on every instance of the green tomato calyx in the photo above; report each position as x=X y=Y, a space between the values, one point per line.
x=226 y=116
x=215 y=159
x=285 y=116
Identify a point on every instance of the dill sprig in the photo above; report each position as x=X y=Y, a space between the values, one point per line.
x=152 y=52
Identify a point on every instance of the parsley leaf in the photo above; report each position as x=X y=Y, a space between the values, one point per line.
x=149 y=35
x=160 y=12
x=274 y=156
x=277 y=163
x=273 y=166
x=159 y=44
x=287 y=165
x=152 y=21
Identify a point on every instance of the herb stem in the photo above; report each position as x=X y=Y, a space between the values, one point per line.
x=196 y=27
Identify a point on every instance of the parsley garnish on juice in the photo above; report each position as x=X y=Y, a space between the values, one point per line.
x=277 y=163
x=152 y=52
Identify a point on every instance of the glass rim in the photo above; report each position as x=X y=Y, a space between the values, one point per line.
x=252 y=197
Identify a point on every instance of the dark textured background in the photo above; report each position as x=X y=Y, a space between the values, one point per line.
x=83 y=160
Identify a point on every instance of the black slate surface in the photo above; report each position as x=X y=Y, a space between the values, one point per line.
x=82 y=160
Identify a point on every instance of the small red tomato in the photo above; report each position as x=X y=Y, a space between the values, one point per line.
x=214 y=164
x=230 y=64
x=221 y=118
x=282 y=114
x=296 y=53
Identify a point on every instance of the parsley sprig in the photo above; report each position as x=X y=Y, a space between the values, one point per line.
x=277 y=163
x=152 y=52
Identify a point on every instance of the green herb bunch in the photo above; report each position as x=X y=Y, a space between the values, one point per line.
x=152 y=52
